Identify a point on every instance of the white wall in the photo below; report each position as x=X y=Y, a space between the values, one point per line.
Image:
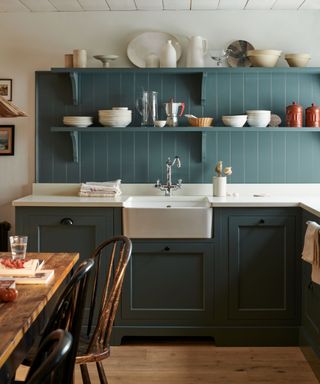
x=34 y=41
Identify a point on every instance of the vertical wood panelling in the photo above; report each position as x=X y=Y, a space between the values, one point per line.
x=263 y=157
x=292 y=157
x=278 y=163
x=250 y=163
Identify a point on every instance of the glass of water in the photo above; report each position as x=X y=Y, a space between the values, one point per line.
x=18 y=246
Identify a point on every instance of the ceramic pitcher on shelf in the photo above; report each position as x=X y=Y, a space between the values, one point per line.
x=197 y=49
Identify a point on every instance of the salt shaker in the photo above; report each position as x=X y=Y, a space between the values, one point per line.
x=294 y=115
x=79 y=58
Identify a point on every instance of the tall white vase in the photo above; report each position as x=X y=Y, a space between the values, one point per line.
x=219 y=184
x=168 y=57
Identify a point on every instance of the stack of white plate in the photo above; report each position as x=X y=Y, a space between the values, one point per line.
x=258 y=118
x=78 y=121
x=115 y=117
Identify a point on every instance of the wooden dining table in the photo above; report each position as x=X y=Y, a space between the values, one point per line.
x=22 y=320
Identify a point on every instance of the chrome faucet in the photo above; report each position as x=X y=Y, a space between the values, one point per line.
x=169 y=186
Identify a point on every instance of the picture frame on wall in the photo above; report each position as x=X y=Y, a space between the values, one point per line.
x=6 y=140
x=6 y=89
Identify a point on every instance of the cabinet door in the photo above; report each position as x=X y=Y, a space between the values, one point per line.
x=169 y=283
x=262 y=267
x=65 y=229
x=310 y=296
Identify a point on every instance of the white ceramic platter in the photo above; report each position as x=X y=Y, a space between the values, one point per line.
x=149 y=42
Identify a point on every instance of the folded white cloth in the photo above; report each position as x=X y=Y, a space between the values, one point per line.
x=311 y=253
x=104 y=189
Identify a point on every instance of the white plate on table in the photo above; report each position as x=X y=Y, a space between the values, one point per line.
x=150 y=42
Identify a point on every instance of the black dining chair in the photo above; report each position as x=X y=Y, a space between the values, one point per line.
x=111 y=259
x=67 y=315
x=52 y=352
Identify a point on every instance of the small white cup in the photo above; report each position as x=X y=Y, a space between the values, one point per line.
x=79 y=58
x=18 y=246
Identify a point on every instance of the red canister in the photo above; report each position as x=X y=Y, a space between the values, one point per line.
x=313 y=116
x=294 y=115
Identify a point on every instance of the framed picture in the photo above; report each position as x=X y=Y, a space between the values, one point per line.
x=6 y=88
x=6 y=140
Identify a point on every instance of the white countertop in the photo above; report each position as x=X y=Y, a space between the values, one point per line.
x=306 y=196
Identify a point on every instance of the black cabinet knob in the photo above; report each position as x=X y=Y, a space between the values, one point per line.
x=166 y=248
x=310 y=286
x=66 y=221
x=261 y=221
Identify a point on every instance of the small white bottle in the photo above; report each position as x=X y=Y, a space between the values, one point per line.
x=168 y=57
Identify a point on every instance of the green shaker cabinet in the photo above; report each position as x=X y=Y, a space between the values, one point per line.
x=310 y=330
x=68 y=229
x=260 y=255
x=168 y=288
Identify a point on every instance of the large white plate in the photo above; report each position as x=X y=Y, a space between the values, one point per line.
x=149 y=42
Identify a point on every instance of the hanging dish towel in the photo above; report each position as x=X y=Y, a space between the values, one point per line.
x=310 y=252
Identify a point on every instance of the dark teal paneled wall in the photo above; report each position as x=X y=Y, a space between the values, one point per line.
x=256 y=157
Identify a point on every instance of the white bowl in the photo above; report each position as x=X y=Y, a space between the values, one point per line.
x=297 y=59
x=263 y=58
x=234 y=120
x=260 y=112
x=258 y=121
x=259 y=52
x=119 y=122
x=160 y=123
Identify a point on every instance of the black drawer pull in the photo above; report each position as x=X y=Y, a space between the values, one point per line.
x=166 y=248
x=261 y=221
x=66 y=221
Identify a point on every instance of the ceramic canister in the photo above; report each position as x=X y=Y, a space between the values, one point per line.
x=294 y=115
x=313 y=116
x=79 y=58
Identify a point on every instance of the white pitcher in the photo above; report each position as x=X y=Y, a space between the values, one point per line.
x=197 y=49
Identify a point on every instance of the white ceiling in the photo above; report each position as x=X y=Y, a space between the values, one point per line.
x=153 y=5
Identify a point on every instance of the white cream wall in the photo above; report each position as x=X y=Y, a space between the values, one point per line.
x=38 y=41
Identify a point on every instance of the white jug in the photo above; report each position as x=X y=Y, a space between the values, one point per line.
x=168 y=56
x=197 y=49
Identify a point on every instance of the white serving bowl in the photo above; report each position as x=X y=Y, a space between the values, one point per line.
x=260 y=112
x=263 y=57
x=297 y=59
x=234 y=120
x=115 y=122
x=77 y=121
x=160 y=123
x=258 y=121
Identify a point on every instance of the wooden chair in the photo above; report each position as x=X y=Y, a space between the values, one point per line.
x=52 y=352
x=117 y=250
x=67 y=315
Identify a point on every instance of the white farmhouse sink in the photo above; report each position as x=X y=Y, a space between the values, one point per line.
x=167 y=217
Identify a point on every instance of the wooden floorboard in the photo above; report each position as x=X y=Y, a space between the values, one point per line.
x=203 y=364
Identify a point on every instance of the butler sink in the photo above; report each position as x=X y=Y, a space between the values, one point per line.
x=167 y=217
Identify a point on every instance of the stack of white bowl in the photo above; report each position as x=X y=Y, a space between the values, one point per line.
x=115 y=117
x=234 y=120
x=78 y=121
x=258 y=118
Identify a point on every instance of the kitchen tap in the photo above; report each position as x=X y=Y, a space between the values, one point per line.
x=169 y=186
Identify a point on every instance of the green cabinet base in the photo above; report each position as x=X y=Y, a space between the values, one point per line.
x=222 y=336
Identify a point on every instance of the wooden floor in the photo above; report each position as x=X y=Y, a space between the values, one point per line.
x=204 y=364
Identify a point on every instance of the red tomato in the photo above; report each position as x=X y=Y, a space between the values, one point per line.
x=8 y=294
